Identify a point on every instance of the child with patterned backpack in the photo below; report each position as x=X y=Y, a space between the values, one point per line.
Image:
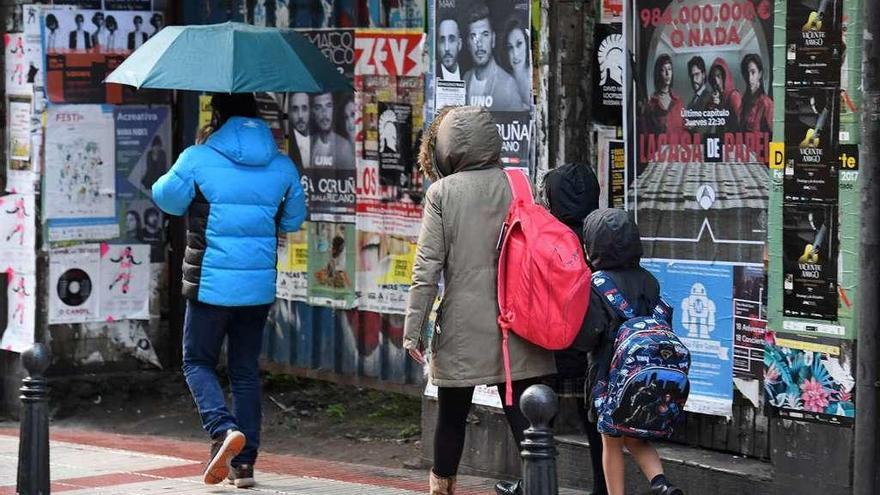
x=632 y=400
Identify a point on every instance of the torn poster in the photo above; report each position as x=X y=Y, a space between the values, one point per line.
x=384 y=271
x=17 y=230
x=73 y=273
x=21 y=303
x=125 y=282
x=80 y=182
x=20 y=174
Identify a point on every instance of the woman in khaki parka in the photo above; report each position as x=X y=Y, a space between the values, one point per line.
x=463 y=212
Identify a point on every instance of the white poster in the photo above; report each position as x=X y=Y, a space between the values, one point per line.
x=17 y=230
x=484 y=395
x=384 y=271
x=20 y=175
x=21 y=302
x=73 y=273
x=292 y=283
x=16 y=65
x=125 y=282
x=80 y=182
x=33 y=42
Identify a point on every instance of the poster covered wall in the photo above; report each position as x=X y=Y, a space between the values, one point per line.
x=80 y=180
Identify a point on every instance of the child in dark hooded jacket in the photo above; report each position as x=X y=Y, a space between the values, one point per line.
x=613 y=245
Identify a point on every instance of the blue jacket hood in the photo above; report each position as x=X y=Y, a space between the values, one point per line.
x=246 y=141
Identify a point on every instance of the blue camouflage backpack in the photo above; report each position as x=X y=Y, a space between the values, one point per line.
x=647 y=384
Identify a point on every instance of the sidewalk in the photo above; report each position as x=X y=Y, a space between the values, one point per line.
x=90 y=462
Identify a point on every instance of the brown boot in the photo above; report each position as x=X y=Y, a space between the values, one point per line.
x=442 y=486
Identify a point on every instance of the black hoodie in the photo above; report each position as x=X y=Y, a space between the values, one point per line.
x=571 y=192
x=613 y=245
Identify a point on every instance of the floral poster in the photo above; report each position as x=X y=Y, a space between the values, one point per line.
x=810 y=380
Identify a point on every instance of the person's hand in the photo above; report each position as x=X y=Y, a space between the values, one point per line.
x=417 y=355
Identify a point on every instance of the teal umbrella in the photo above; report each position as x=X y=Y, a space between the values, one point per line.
x=229 y=58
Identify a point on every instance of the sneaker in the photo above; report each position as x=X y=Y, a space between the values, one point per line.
x=666 y=489
x=242 y=476
x=509 y=488
x=223 y=450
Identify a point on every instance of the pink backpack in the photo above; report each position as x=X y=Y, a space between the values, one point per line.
x=543 y=280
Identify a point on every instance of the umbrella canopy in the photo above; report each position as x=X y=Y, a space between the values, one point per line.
x=229 y=58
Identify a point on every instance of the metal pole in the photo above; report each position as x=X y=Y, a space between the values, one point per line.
x=33 y=447
x=539 y=405
x=867 y=444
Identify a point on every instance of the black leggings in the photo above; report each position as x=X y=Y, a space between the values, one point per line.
x=595 y=439
x=455 y=404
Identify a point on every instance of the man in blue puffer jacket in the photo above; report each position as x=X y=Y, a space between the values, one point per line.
x=236 y=190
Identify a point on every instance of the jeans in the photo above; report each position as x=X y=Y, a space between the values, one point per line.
x=204 y=328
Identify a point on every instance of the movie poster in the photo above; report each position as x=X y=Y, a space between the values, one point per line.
x=80 y=180
x=810 y=379
x=74 y=273
x=812 y=125
x=82 y=48
x=749 y=321
x=384 y=271
x=608 y=74
x=700 y=295
x=143 y=154
x=331 y=264
x=395 y=144
x=292 y=282
x=483 y=47
x=814 y=42
x=20 y=174
x=17 y=335
x=329 y=164
x=703 y=117
x=810 y=260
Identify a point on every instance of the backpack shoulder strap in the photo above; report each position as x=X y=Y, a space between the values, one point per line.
x=605 y=286
x=663 y=311
x=519 y=184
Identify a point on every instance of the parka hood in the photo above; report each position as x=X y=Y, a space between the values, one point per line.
x=612 y=239
x=459 y=139
x=729 y=85
x=571 y=192
x=246 y=141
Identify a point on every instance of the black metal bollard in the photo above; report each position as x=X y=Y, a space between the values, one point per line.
x=539 y=405
x=33 y=447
